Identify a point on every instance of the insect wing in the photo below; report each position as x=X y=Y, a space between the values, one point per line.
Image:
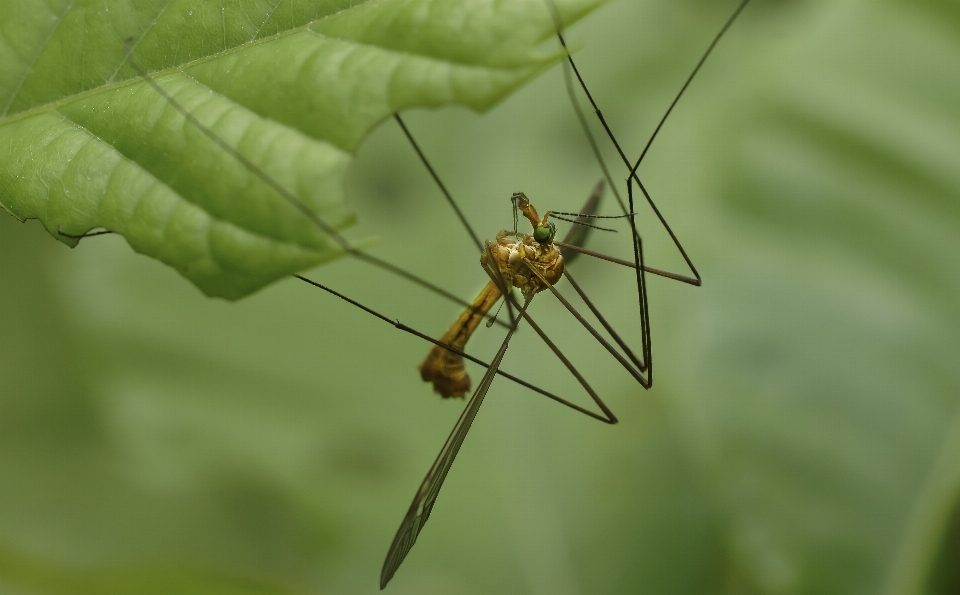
x=426 y=496
x=578 y=234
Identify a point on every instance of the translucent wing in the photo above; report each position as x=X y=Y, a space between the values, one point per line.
x=423 y=502
x=578 y=234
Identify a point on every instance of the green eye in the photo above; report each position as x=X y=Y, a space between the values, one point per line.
x=544 y=233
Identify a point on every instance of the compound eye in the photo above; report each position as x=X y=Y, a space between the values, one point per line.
x=544 y=233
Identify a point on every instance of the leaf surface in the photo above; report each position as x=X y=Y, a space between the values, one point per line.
x=826 y=392
x=293 y=86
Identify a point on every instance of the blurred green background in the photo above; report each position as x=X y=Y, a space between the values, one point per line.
x=802 y=435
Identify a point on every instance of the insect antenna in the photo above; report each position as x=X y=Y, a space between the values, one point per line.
x=588 y=216
x=581 y=219
x=583 y=223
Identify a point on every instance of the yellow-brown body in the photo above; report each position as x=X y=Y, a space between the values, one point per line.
x=512 y=258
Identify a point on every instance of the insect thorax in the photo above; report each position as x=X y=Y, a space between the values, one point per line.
x=518 y=257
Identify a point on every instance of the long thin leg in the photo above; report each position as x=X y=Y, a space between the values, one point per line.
x=407 y=329
x=638 y=264
x=641 y=289
x=443 y=188
x=609 y=418
x=696 y=280
x=703 y=58
x=641 y=366
x=392 y=268
x=603 y=321
x=620 y=261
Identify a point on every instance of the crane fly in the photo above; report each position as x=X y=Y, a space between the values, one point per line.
x=530 y=263
x=510 y=265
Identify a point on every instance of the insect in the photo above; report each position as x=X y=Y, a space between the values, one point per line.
x=532 y=263
x=639 y=366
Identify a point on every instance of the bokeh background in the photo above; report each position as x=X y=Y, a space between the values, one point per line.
x=802 y=435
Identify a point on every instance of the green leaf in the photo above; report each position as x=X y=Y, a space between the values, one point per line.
x=824 y=400
x=293 y=86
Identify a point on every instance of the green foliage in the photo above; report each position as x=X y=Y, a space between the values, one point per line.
x=802 y=436
x=17 y=569
x=85 y=142
x=842 y=415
